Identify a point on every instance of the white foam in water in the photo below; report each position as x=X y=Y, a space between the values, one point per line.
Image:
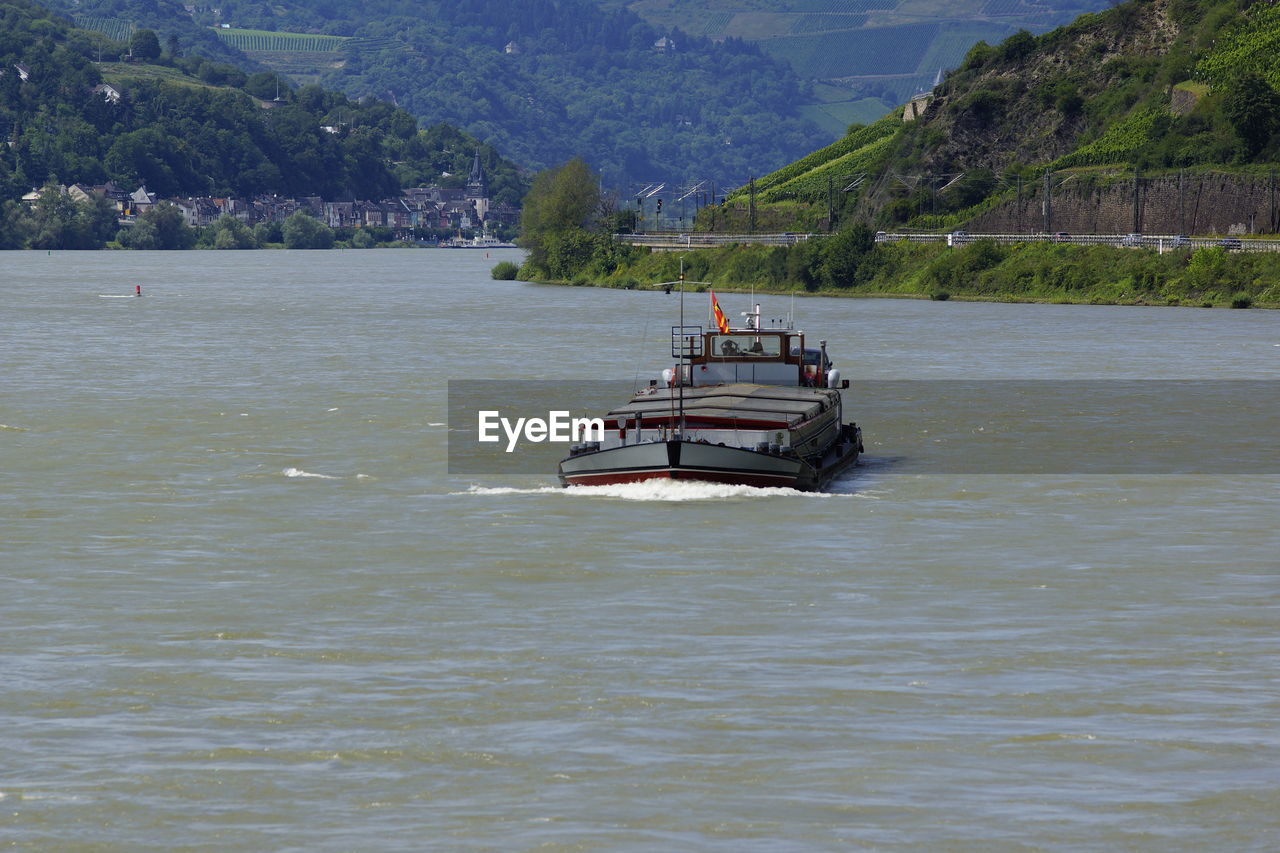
x=298 y=472
x=654 y=490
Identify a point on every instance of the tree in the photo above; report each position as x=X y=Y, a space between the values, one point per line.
x=1253 y=108
x=101 y=219
x=161 y=227
x=267 y=232
x=53 y=220
x=59 y=222
x=843 y=254
x=150 y=156
x=561 y=201
x=229 y=233
x=301 y=231
x=15 y=225
x=573 y=249
x=145 y=45
x=264 y=85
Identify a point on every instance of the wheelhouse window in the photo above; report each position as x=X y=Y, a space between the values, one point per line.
x=746 y=346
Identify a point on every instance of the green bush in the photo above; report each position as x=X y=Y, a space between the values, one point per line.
x=505 y=271
x=977 y=56
x=983 y=104
x=1016 y=46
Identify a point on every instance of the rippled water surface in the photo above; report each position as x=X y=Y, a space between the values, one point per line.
x=244 y=606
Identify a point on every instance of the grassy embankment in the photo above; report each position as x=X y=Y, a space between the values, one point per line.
x=1028 y=272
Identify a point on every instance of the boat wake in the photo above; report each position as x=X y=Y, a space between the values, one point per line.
x=298 y=472
x=655 y=490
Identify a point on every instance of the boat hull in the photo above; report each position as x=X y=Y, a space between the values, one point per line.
x=693 y=460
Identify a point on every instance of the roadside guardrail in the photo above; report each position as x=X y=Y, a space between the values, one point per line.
x=693 y=240
x=1159 y=242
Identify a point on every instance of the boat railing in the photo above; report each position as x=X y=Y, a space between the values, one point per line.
x=686 y=341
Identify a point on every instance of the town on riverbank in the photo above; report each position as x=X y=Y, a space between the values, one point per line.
x=431 y=215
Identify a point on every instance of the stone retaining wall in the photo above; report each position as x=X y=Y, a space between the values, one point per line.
x=1190 y=204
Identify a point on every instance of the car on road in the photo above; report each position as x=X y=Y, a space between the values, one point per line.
x=1131 y=240
x=1062 y=237
x=1231 y=244
x=1181 y=241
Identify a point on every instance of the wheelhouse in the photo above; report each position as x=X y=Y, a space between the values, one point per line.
x=762 y=357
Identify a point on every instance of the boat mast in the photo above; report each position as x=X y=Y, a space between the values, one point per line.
x=680 y=364
x=686 y=346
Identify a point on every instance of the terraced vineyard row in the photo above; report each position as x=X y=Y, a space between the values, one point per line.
x=261 y=40
x=1253 y=45
x=823 y=22
x=113 y=28
x=1117 y=144
x=808 y=177
x=360 y=43
x=837 y=173
x=712 y=24
x=840 y=6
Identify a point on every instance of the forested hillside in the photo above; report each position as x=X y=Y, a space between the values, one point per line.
x=1156 y=86
x=543 y=80
x=119 y=19
x=187 y=126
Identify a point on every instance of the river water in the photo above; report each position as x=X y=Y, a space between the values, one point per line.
x=244 y=605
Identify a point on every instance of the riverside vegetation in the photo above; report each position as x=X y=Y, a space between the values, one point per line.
x=568 y=226
x=851 y=263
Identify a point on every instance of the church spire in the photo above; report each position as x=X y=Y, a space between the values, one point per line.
x=477 y=184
